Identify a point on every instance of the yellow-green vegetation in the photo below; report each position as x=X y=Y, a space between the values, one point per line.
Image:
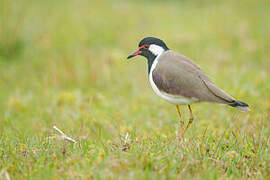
x=63 y=63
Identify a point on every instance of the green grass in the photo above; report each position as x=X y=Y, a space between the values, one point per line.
x=64 y=63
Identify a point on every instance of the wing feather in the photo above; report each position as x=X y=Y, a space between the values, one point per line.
x=177 y=75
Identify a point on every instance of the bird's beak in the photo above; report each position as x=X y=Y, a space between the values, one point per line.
x=134 y=54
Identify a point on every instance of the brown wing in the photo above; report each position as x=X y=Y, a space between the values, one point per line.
x=176 y=74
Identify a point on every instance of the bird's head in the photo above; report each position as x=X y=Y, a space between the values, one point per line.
x=149 y=47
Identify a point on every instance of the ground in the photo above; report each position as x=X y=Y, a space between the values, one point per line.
x=63 y=64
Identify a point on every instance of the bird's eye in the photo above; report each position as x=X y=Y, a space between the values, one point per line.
x=146 y=46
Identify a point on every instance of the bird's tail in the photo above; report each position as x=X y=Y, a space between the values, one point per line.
x=240 y=105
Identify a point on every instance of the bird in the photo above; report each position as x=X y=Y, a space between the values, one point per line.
x=179 y=80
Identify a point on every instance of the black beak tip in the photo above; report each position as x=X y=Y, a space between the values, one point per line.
x=130 y=56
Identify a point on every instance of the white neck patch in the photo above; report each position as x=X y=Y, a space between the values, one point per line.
x=156 y=50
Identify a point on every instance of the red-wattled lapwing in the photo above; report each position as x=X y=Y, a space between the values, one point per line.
x=179 y=80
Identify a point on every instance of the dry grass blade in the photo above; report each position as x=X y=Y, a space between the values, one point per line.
x=4 y=174
x=63 y=135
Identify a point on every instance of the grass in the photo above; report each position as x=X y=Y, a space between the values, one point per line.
x=71 y=71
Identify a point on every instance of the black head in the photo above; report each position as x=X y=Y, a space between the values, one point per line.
x=150 y=47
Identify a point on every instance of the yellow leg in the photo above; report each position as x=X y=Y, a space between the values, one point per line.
x=190 y=120
x=181 y=122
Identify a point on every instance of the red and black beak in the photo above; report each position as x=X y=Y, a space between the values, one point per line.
x=139 y=51
x=135 y=53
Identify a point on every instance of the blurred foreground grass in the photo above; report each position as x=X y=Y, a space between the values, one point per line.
x=64 y=63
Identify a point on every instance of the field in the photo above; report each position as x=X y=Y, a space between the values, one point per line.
x=63 y=64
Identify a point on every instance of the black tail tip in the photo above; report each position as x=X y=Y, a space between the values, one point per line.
x=240 y=105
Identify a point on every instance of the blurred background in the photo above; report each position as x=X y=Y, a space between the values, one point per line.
x=63 y=62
